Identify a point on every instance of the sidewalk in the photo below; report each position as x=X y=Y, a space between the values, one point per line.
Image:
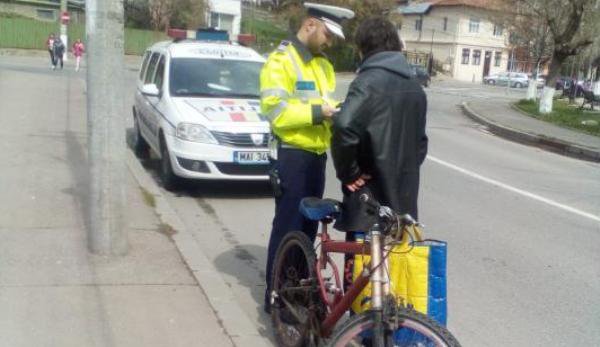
x=17 y=55
x=503 y=120
x=53 y=292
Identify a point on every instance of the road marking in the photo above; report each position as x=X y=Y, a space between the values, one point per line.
x=515 y=190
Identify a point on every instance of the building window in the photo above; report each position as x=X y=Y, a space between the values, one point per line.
x=445 y=23
x=498 y=30
x=497 y=58
x=476 y=57
x=465 y=56
x=45 y=14
x=214 y=19
x=474 y=25
x=419 y=24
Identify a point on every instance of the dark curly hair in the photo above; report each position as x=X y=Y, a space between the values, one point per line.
x=376 y=34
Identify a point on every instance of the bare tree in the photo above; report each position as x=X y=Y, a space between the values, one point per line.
x=177 y=13
x=160 y=13
x=565 y=21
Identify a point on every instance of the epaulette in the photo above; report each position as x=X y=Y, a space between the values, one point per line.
x=283 y=45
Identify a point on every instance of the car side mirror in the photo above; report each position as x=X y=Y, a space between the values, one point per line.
x=150 y=89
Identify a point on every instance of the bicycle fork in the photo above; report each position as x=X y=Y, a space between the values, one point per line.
x=379 y=285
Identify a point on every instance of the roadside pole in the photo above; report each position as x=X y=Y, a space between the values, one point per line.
x=63 y=28
x=106 y=126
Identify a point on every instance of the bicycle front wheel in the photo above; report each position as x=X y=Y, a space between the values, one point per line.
x=413 y=329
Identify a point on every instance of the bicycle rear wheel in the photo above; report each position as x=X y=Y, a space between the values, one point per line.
x=296 y=309
x=413 y=329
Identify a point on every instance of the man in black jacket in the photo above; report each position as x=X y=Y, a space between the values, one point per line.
x=379 y=140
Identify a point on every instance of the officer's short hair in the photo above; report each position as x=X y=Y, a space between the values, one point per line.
x=376 y=34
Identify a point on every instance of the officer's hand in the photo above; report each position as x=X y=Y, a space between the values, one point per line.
x=328 y=111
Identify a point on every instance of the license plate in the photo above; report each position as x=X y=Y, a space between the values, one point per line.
x=251 y=157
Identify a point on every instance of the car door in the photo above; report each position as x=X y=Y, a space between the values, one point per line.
x=146 y=110
x=157 y=102
x=502 y=79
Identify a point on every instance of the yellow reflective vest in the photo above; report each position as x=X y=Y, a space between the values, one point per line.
x=293 y=85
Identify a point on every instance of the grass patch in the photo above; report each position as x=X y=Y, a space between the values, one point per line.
x=564 y=115
x=148 y=198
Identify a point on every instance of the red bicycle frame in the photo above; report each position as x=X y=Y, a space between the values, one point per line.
x=341 y=302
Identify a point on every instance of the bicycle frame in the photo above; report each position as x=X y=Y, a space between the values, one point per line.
x=342 y=302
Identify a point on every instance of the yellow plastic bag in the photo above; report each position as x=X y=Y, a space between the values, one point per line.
x=408 y=272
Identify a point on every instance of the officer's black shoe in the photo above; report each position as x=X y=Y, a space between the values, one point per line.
x=267 y=306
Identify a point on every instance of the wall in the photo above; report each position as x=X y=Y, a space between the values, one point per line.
x=474 y=73
x=231 y=7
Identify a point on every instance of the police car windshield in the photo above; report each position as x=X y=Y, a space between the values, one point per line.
x=214 y=78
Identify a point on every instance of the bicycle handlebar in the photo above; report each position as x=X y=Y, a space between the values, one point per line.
x=387 y=213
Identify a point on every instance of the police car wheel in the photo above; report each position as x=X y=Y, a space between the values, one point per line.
x=168 y=178
x=140 y=146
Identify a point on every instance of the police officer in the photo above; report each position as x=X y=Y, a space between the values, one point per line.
x=296 y=85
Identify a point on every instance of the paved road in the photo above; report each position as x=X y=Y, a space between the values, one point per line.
x=523 y=227
x=519 y=250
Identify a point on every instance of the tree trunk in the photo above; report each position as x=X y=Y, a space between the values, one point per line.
x=546 y=102
x=596 y=87
x=532 y=89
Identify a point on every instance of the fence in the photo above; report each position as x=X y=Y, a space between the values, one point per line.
x=32 y=34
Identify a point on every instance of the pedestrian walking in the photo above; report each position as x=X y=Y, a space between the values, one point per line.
x=59 y=50
x=50 y=46
x=379 y=140
x=296 y=83
x=78 y=49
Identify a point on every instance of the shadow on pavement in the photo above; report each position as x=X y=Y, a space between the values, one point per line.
x=253 y=257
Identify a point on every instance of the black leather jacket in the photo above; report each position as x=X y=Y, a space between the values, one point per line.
x=380 y=131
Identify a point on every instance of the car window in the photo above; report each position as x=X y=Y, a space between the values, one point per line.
x=160 y=73
x=214 y=77
x=144 y=65
x=151 y=68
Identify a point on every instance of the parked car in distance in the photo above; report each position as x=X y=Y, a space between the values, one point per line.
x=517 y=79
x=421 y=74
x=563 y=82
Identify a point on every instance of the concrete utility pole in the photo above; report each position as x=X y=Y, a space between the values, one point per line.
x=63 y=28
x=106 y=126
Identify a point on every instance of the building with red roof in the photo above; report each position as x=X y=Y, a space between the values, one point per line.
x=464 y=36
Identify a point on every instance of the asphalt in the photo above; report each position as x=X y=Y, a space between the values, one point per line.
x=506 y=121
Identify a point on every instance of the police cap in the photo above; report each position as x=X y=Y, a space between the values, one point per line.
x=331 y=16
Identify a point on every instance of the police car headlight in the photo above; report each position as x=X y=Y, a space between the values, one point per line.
x=195 y=133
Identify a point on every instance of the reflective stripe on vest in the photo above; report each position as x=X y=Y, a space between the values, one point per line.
x=276 y=111
x=278 y=92
x=303 y=95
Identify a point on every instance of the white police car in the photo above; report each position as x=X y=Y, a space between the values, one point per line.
x=197 y=107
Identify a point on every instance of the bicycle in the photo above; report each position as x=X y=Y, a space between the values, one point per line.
x=306 y=305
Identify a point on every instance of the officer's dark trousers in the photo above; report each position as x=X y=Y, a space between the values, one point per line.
x=302 y=174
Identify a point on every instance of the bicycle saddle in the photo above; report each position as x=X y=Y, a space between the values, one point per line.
x=320 y=209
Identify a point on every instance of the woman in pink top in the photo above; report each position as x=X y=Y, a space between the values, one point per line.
x=78 y=50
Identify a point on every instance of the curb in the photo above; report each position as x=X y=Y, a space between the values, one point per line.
x=237 y=325
x=548 y=143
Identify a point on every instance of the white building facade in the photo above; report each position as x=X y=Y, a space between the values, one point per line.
x=460 y=34
x=225 y=15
